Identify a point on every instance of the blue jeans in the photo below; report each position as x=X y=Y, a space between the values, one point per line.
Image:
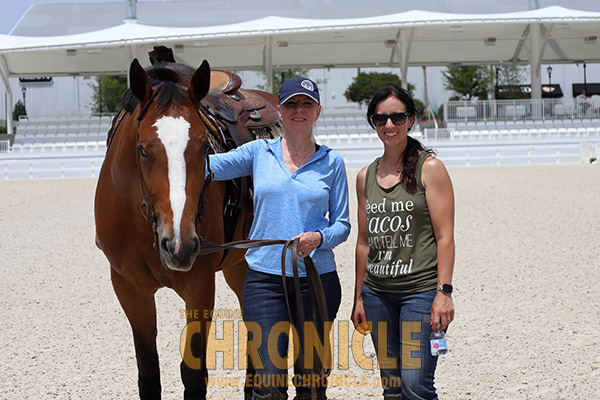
x=407 y=367
x=263 y=302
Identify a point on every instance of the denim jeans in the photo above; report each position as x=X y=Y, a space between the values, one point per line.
x=263 y=302
x=407 y=367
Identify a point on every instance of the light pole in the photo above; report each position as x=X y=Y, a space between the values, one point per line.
x=584 y=79
x=24 y=90
x=549 y=69
x=496 y=91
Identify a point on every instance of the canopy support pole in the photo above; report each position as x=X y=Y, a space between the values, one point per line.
x=519 y=47
x=403 y=53
x=129 y=60
x=268 y=62
x=534 y=59
x=545 y=41
x=9 y=100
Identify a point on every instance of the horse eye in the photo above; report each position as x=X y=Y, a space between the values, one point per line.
x=142 y=151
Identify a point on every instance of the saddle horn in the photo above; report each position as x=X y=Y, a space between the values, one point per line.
x=161 y=54
x=160 y=58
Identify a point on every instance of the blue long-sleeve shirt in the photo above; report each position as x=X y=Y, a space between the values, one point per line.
x=314 y=198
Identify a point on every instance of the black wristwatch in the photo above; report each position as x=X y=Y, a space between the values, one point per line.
x=445 y=288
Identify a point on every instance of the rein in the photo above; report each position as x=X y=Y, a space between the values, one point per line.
x=316 y=295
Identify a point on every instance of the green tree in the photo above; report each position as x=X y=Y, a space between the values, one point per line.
x=281 y=75
x=18 y=110
x=467 y=82
x=512 y=74
x=107 y=93
x=366 y=84
x=509 y=78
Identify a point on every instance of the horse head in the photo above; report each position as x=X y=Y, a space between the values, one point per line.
x=171 y=150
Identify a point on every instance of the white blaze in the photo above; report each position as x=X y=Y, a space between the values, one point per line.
x=174 y=135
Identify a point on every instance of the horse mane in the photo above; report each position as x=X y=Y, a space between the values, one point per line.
x=166 y=75
x=168 y=91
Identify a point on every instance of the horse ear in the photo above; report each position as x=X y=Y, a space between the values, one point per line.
x=139 y=82
x=200 y=83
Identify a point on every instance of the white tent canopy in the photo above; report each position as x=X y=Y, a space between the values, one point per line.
x=413 y=38
x=423 y=38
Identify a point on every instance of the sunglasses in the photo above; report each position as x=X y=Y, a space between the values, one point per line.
x=398 y=118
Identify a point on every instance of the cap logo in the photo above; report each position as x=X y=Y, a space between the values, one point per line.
x=306 y=84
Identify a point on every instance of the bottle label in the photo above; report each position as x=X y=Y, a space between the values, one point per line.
x=438 y=346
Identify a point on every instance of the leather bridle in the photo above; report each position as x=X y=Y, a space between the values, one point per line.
x=146 y=207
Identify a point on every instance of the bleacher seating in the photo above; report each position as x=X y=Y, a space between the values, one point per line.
x=343 y=126
x=61 y=132
x=523 y=128
x=77 y=132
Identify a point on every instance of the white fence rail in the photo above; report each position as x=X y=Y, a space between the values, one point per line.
x=438 y=134
x=4 y=146
x=484 y=110
x=517 y=155
x=517 y=152
x=356 y=155
x=80 y=167
x=589 y=152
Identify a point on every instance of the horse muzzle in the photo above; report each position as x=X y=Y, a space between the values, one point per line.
x=178 y=255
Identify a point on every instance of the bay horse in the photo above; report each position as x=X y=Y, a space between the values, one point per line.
x=156 y=161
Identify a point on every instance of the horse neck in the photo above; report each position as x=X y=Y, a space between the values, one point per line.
x=123 y=149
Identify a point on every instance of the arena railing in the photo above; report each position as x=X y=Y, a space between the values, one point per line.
x=523 y=109
x=4 y=146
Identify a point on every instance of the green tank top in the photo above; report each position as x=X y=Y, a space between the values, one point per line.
x=402 y=247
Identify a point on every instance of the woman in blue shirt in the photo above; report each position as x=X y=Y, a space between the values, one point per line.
x=300 y=190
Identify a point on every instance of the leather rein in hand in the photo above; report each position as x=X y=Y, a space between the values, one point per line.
x=316 y=295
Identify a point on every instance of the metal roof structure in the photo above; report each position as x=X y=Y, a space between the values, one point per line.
x=68 y=18
x=412 y=38
x=72 y=18
x=415 y=38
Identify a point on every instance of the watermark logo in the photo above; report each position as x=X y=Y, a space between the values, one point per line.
x=248 y=336
x=298 y=380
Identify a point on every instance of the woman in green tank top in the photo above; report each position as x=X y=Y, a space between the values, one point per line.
x=404 y=249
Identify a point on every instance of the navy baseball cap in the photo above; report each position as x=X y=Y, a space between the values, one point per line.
x=298 y=85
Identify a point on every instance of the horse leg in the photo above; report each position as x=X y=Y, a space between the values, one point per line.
x=140 y=309
x=235 y=276
x=197 y=299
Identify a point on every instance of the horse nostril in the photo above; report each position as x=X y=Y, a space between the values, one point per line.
x=164 y=244
x=196 y=244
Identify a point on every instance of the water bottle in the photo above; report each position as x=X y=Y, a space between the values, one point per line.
x=438 y=342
